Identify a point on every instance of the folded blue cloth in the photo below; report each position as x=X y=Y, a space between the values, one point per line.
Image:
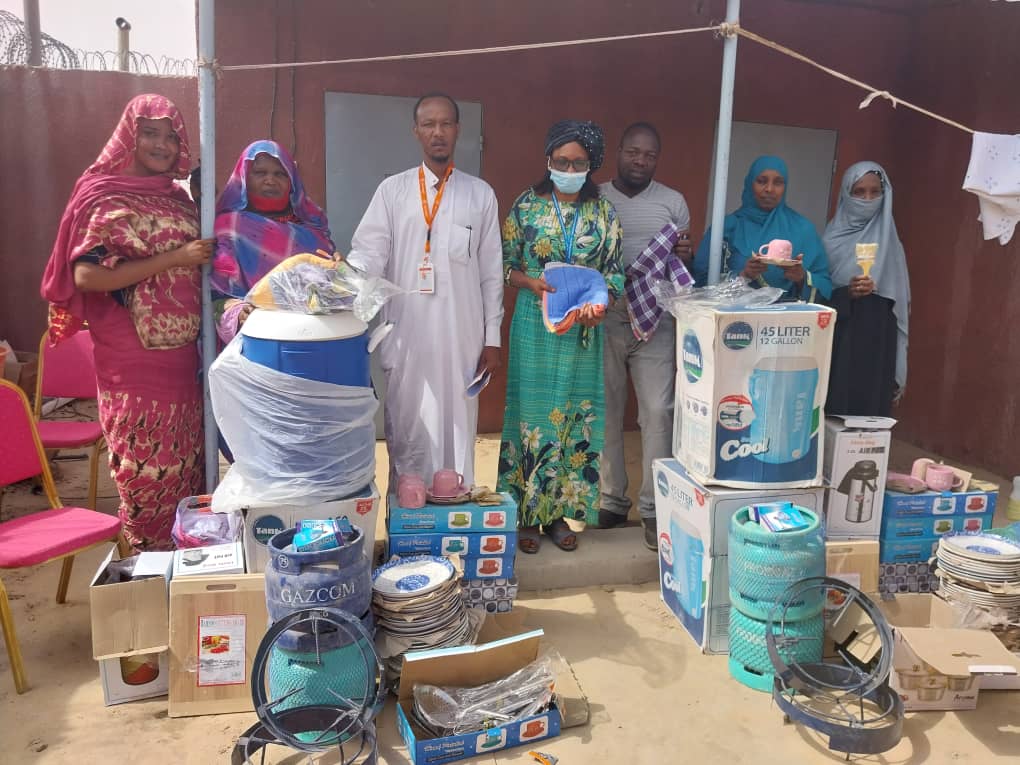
x=575 y=287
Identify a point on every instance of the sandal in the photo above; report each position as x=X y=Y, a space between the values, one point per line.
x=529 y=540
x=561 y=535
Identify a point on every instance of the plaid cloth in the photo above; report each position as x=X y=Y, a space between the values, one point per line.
x=657 y=262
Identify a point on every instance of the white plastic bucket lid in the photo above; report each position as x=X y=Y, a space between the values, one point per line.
x=302 y=327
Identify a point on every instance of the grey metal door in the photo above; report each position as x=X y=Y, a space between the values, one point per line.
x=809 y=154
x=368 y=138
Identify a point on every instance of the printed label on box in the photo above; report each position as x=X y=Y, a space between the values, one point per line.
x=221 y=650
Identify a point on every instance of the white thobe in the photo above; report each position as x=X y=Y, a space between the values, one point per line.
x=432 y=353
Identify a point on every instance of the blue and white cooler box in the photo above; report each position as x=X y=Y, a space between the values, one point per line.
x=751 y=385
x=693 y=522
x=331 y=348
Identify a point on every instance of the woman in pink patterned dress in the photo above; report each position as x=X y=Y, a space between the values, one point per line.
x=127 y=261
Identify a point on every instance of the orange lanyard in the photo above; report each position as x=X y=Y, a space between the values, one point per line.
x=431 y=216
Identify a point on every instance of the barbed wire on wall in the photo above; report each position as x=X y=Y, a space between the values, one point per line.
x=57 y=55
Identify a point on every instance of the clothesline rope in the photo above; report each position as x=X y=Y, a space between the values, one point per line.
x=722 y=30
x=873 y=92
x=472 y=51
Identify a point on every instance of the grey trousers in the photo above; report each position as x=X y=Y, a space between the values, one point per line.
x=652 y=367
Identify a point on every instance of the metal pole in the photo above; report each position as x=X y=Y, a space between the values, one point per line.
x=722 y=146
x=33 y=32
x=123 y=44
x=207 y=133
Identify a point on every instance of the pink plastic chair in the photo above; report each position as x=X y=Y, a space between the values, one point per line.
x=57 y=533
x=69 y=371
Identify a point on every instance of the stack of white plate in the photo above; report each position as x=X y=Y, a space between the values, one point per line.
x=982 y=569
x=418 y=605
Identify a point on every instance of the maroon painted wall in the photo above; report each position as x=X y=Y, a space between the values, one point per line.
x=953 y=58
x=962 y=391
x=53 y=124
x=673 y=82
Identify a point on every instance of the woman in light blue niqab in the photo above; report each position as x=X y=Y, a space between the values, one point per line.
x=869 y=358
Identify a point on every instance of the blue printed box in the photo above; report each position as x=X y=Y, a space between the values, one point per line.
x=907 y=550
x=474 y=544
x=470 y=665
x=933 y=503
x=466 y=517
x=931 y=526
x=488 y=567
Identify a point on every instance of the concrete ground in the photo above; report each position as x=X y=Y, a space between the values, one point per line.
x=653 y=697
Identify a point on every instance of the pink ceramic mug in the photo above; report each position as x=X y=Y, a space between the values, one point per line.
x=942 y=478
x=447 y=483
x=411 y=491
x=777 y=249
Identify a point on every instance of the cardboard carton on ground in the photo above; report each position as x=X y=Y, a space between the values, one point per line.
x=216 y=625
x=693 y=524
x=213 y=560
x=979 y=499
x=854 y=562
x=130 y=632
x=22 y=368
x=751 y=387
x=452 y=519
x=936 y=667
x=261 y=524
x=503 y=649
x=856 y=448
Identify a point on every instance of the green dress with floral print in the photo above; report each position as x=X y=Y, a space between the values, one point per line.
x=554 y=424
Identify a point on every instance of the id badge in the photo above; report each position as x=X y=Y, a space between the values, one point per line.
x=426 y=279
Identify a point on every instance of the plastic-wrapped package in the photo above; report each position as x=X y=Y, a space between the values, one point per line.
x=312 y=284
x=293 y=439
x=447 y=710
x=197 y=525
x=731 y=292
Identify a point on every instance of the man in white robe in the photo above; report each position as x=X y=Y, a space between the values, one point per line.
x=441 y=339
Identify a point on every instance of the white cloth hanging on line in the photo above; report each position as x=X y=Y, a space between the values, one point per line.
x=994 y=176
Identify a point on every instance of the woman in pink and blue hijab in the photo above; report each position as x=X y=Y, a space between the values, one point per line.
x=763 y=215
x=263 y=217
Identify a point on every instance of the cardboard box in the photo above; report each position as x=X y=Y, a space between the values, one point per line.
x=478 y=544
x=493 y=595
x=854 y=562
x=474 y=665
x=488 y=567
x=216 y=625
x=752 y=384
x=22 y=369
x=933 y=526
x=855 y=466
x=261 y=524
x=213 y=560
x=913 y=550
x=941 y=668
x=135 y=677
x=980 y=499
x=456 y=519
x=693 y=523
x=130 y=623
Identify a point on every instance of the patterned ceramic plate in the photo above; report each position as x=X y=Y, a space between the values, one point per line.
x=410 y=577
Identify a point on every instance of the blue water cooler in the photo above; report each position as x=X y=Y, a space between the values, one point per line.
x=332 y=348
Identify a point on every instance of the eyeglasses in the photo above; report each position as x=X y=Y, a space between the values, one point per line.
x=564 y=165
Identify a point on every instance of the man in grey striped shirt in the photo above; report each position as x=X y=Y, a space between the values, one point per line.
x=644 y=207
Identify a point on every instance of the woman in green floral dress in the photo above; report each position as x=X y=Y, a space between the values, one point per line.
x=553 y=428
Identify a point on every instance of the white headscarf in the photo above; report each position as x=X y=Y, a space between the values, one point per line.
x=858 y=220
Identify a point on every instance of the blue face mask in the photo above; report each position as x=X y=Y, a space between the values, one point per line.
x=567 y=183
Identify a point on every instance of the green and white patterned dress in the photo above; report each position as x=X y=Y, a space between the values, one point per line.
x=554 y=425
